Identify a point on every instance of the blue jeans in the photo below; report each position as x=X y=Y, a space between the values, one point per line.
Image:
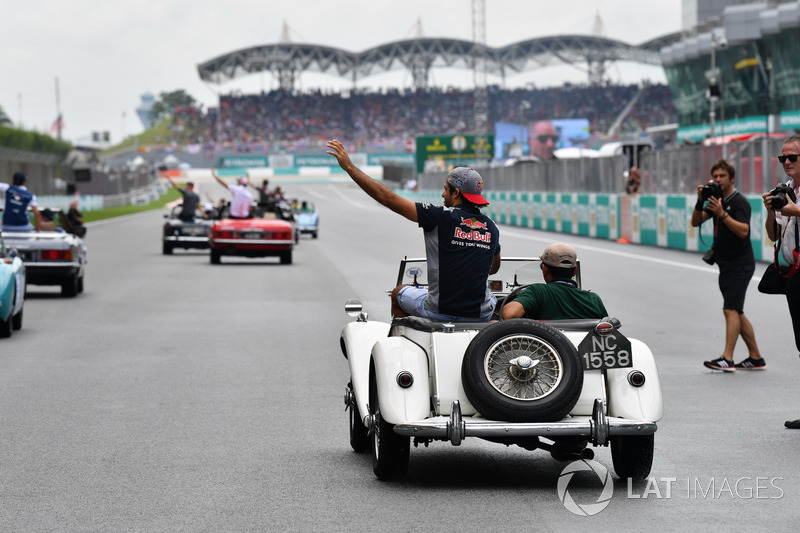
x=412 y=301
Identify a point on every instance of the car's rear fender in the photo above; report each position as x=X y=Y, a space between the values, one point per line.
x=628 y=401
x=357 y=341
x=447 y=356
x=391 y=357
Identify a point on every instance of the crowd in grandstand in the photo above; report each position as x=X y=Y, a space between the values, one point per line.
x=279 y=119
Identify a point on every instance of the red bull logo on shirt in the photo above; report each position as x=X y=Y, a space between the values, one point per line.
x=473 y=223
x=473 y=235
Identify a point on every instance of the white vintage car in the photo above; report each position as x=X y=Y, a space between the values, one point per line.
x=53 y=255
x=558 y=385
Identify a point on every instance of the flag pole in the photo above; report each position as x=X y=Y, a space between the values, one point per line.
x=58 y=111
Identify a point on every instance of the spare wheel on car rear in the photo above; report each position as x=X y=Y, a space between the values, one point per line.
x=522 y=370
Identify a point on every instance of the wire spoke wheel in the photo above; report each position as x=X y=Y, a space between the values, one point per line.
x=522 y=370
x=523 y=367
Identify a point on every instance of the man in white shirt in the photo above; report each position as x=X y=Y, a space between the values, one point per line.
x=786 y=219
x=242 y=200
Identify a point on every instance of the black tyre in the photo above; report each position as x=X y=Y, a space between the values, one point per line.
x=314 y=234
x=16 y=321
x=70 y=287
x=215 y=256
x=359 y=436
x=632 y=456
x=521 y=370
x=5 y=327
x=389 y=450
x=166 y=248
x=80 y=285
x=286 y=258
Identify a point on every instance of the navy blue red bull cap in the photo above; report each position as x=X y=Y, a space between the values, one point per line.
x=469 y=182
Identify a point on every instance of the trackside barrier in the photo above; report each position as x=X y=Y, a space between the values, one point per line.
x=655 y=220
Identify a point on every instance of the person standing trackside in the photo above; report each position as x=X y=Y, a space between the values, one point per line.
x=786 y=220
x=733 y=254
x=241 y=199
x=17 y=201
x=461 y=244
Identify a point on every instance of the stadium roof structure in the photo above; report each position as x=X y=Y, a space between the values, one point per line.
x=288 y=60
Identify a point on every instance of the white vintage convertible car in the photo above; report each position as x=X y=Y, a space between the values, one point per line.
x=53 y=255
x=559 y=385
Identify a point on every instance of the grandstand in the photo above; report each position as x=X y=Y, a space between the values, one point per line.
x=286 y=119
x=389 y=120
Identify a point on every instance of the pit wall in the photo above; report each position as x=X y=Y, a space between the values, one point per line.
x=655 y=220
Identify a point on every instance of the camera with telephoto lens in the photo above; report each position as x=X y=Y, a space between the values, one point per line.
x=711 y=189
x=779 y=195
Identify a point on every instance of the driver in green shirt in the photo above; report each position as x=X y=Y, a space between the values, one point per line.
x=559 y=297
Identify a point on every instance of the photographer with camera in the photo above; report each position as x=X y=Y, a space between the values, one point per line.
x=782 y=221
x=733 y=253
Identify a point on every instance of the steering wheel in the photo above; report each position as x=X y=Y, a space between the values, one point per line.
x=508 y=299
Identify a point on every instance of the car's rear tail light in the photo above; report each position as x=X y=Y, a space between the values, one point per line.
x=604 y=328
x=405 y=379
x=56 y=255
x=223 y=234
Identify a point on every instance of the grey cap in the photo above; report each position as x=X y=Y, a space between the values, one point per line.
x=559 y=255
x=469 y=182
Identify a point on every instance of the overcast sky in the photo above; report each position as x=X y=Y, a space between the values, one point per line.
x=105 y=54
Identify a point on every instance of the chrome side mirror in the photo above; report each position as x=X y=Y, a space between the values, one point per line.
x=353 y=307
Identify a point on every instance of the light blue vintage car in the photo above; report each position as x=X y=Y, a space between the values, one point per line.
x=308 y=219
x=12 y=289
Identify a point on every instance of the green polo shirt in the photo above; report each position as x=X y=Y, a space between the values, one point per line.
x=560 y=299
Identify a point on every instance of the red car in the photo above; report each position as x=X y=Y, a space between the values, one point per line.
x=252 y=237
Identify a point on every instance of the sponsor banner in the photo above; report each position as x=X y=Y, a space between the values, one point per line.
x=584 y=215
x=243 y=161
x=281 y=161
x=604 y=216
x=405 y=159
x=449 y=150
x=565 y=213
x=526 y=210
x=790 y=120
x=677 y=222
x=648 y=221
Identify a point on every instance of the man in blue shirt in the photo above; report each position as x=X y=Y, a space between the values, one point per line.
x=462 y=246
x=17 y=201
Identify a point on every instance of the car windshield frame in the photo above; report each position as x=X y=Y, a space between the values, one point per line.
x=514 y=272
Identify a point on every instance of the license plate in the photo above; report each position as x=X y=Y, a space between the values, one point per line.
x=600 y=352
x=252 y=235
x=197 y=230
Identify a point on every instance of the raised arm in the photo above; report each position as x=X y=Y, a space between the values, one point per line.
x=170 y=180
x=219 y=180
x=377 y=190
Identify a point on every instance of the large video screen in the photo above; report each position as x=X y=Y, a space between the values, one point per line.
x=540 y=138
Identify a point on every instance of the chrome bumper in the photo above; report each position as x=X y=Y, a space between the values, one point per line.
x=455 y=428
x=186 y=238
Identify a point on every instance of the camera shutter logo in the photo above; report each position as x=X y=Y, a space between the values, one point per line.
x=587 y=509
